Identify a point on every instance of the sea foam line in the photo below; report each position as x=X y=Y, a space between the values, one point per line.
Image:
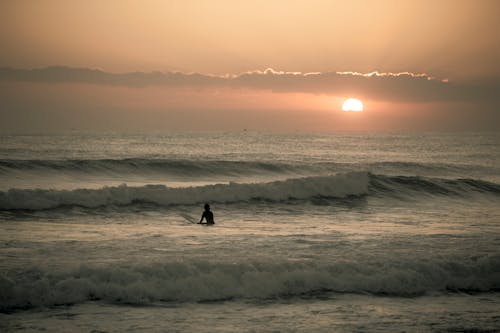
x=337 y=186
x=201 y=281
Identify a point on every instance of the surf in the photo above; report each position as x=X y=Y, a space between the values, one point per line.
x=195 y=281
x=193 y=168
x=410 y=186
x=339 y=186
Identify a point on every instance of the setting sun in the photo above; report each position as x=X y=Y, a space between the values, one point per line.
x=352 y=104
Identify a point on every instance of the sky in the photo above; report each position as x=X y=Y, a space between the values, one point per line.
x=257 y=65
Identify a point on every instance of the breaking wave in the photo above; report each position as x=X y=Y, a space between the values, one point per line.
x=335 y=186
x=205 y=281
x=301 y=188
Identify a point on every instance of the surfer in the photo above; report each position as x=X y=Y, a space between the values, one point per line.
x=207 y=215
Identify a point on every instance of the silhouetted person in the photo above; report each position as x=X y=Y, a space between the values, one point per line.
x=207 y=215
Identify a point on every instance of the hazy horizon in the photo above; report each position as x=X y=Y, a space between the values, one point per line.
x=269 y=66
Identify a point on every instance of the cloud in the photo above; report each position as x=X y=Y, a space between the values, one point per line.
x=397 y=87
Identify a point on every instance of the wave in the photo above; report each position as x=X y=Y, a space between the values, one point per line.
x=353 y=184
x=206 y=281
x=409 y=186
x=175 y=167
x=337 y=186
x=211 y=168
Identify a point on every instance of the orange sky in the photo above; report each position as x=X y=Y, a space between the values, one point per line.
x=456 y=40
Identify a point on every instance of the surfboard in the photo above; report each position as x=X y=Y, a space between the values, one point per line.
x=192 y=220
x=188 y=218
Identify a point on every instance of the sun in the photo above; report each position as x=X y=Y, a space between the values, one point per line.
x=352 y=104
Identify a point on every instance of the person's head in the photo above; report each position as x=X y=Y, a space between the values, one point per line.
x=207 y=207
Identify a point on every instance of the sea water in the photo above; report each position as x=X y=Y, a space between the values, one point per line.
x=336 y=232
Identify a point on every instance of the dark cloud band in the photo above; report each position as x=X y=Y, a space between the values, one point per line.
x=400 y=87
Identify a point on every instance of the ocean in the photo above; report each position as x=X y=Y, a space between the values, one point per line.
x=325 y=232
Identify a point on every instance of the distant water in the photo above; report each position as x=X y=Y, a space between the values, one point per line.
x=341 y=232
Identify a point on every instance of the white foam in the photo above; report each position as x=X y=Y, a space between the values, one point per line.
x=201 y=281
x=341 y=185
